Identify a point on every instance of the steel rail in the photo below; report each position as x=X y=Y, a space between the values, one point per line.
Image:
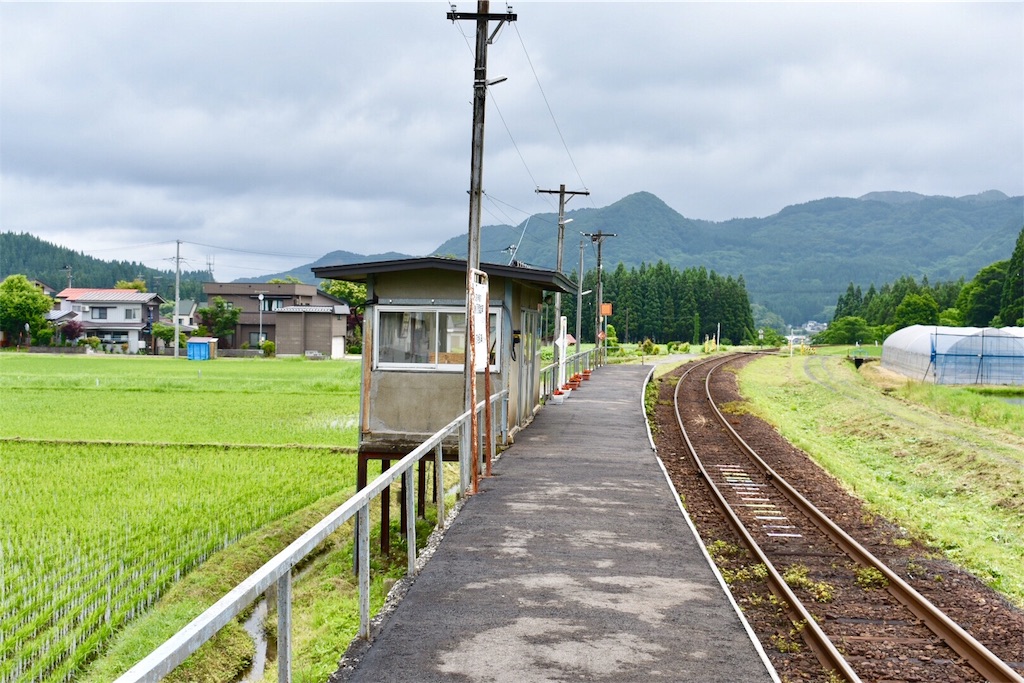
x=983 y=661
x=812 y=634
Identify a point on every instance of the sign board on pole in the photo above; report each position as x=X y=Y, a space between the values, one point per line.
x=480 y=297
x=606 y=309
x=560 y=342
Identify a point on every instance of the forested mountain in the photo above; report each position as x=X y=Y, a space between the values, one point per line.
x=795 y=262
x=40 y=260
x=993 y=297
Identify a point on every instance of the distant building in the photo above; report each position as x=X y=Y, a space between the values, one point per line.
x=44 y=288
x=186 y=315
x=116 y=316
x=309 y=316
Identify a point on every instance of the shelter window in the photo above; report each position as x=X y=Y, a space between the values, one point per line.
x=426 y=338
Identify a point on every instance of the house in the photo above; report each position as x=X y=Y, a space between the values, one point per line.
x=260 y=303
x=116 y=316
x=44 y=288
x=314 y=331
x=414 y=345
x=186 y=315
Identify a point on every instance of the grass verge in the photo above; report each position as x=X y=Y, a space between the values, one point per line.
x=955 y=482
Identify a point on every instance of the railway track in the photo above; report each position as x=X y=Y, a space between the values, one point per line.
x=859 y=617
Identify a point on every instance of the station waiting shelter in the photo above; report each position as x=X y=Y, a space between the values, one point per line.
x=414 y=346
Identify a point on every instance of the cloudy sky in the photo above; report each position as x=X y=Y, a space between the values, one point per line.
x=265 y=135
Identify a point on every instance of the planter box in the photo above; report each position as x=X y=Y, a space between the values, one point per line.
x=557 y=399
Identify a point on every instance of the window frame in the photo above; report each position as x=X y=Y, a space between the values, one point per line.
x=494 y=314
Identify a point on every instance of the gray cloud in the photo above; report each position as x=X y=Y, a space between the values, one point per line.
x=303 y=128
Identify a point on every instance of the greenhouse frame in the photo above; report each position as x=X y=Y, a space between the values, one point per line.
x=957 y=355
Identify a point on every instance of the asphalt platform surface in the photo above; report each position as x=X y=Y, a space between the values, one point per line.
x=573 y=563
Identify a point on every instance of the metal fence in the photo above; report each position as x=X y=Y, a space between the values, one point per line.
x=277 y=572
x=576 y=363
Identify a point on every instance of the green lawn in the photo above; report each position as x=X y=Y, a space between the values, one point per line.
x=91 y=535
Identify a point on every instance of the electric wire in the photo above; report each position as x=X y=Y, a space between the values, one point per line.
x=550 y=110
x=508 y=131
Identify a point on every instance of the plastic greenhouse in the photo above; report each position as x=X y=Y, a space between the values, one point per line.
x=957 y=355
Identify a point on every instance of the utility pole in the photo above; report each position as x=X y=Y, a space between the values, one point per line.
x=562 y=193
x=177 y=297
x=482 y=17
x=67 y=268
x=579 y=297
x=598 y=238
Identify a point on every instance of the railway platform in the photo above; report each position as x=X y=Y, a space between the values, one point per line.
x=574 y=562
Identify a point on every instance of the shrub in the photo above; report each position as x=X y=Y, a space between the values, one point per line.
x=647 y=348
x=268 y=347
x=93 y=342
x=44 y=336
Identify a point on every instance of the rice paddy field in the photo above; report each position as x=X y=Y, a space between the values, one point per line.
x=121 y=474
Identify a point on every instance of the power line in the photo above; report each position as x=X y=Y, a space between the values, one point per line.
x=250 y=251
x=550 y=110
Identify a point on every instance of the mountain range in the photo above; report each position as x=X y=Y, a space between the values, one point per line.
x=795 y=263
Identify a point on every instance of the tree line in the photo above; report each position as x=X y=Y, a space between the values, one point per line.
x=993 y=298
x=663 y=304
x=58 y=266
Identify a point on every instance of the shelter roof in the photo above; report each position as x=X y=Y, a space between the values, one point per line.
x=358 y=272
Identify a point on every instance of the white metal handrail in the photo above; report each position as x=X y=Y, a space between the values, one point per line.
x=577 y=362
x=277 y=571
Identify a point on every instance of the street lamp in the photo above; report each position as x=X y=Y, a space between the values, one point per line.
x=259 y=340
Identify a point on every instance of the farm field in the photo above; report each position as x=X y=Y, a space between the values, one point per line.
x=944 y=462
x=194 y=456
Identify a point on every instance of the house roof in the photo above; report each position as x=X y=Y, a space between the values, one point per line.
x=56 y=315
x=83 y=295
x=358 y=272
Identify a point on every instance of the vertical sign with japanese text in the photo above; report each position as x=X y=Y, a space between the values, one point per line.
x=479 y=297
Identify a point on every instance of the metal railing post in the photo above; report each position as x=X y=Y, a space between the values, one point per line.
x=504 y=421
x=410 y=521
x=363 y=519
x=465 y=449
x=284 y=628
x=439 y=483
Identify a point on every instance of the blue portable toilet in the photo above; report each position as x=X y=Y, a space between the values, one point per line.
x=202 y=348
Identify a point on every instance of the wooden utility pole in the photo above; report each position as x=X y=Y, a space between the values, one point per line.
x=482 y=17
x=598 y=238
x=177 y=298
x=562 y=194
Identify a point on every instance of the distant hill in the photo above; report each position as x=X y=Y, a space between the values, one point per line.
x=795 y=263
x=41 y=260
x=335 y=258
